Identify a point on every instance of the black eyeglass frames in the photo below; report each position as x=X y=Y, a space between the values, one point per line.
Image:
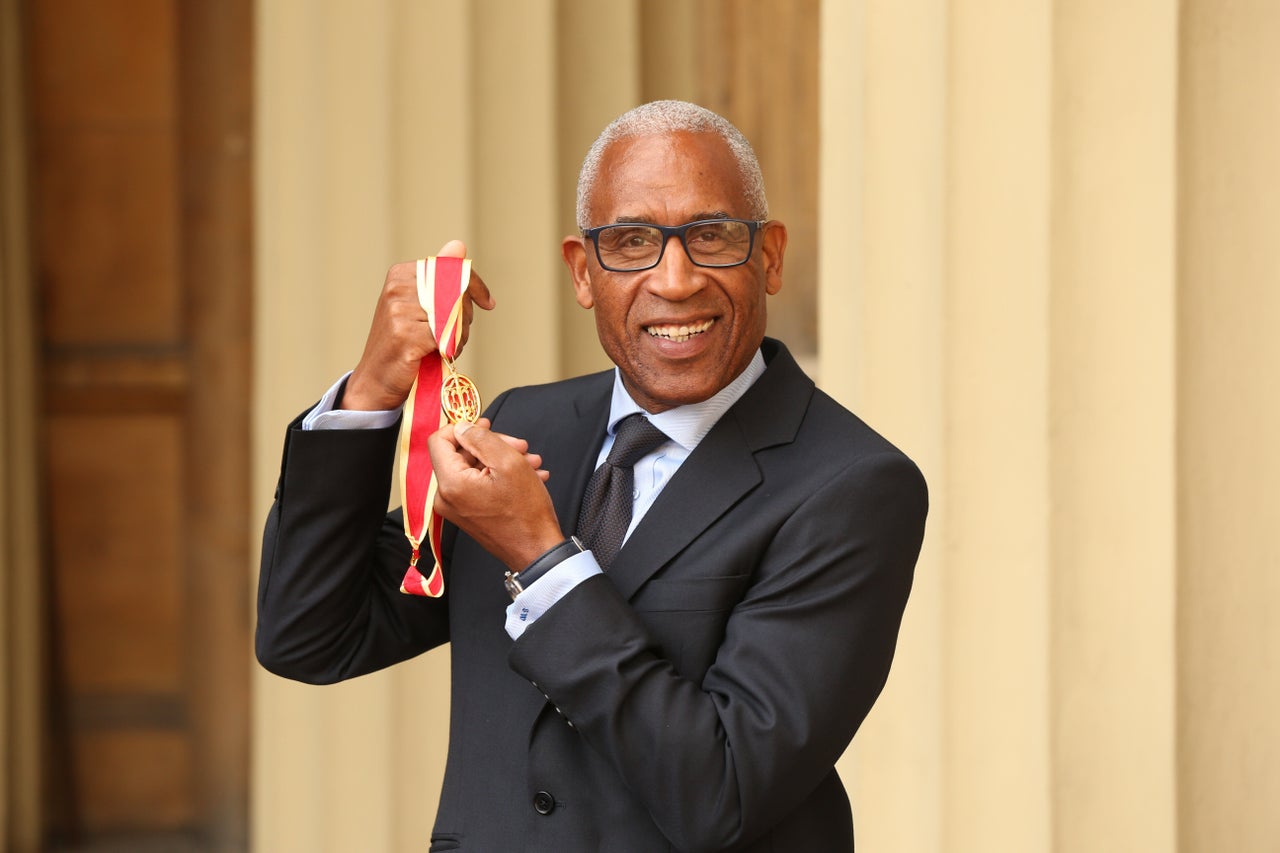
x=637 y=246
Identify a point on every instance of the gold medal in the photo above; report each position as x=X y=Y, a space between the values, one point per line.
x=459 y=397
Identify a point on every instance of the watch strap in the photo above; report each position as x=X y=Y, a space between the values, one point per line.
x=516 y=582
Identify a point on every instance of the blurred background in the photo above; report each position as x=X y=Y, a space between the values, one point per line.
x=1034 y=242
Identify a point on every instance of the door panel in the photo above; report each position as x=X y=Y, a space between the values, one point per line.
x=140 y=203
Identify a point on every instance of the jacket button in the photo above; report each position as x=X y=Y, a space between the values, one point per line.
x=544 y=803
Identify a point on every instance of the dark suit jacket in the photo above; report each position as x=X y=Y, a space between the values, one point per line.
x=695 y=698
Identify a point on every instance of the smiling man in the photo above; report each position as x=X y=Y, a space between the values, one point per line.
x=668 y=643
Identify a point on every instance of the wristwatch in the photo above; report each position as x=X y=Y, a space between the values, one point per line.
x=516 y=582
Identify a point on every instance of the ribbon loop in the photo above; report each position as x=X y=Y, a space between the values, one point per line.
x=439 y=395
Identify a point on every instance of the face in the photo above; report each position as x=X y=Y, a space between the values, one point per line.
x=678 y=332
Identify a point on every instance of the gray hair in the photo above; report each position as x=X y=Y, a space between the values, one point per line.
x=662 y=117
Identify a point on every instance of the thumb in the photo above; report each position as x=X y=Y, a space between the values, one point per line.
x=453 y=249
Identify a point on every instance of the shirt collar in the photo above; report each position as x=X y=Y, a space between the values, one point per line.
x=686 y=425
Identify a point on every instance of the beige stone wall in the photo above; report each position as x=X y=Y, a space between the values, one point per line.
x=1047 y=269
x=1228 y=420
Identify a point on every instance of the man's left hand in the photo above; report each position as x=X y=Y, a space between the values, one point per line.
x=492 y=487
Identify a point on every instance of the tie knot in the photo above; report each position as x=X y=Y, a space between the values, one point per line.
x=636 y=437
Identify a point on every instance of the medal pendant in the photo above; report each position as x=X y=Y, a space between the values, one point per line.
x=459 y=397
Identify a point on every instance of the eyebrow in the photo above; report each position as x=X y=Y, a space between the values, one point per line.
x=648 y=220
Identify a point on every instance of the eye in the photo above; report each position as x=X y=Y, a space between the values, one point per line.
x=628 y=237
x=712 y=234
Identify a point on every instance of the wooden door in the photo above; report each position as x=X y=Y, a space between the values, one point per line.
x=139 y=140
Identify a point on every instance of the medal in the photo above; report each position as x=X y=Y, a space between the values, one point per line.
x=459 y=397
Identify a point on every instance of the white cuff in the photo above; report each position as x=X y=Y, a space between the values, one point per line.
x=538 y=597
x=324 y=416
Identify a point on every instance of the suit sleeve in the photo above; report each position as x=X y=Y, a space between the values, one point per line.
x=329 y=605
x=804 y=656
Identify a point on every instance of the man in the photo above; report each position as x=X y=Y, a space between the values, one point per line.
x=696 y=695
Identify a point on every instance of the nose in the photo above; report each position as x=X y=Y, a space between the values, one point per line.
x=676 y=278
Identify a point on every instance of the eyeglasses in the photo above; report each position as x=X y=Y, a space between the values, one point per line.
x=636 y=246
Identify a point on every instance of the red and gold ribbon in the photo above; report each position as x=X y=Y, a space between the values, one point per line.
x=439 y=395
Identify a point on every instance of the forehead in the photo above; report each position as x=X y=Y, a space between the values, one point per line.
x=668 y=179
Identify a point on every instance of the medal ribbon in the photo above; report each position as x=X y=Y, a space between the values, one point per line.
x=441 y=284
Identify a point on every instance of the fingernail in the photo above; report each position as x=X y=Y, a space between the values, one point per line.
x=461 y=427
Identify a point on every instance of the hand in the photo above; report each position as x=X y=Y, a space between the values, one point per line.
x=490 y=485
x=400 y=336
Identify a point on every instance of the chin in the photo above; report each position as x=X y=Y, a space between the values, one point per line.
x=671 y=398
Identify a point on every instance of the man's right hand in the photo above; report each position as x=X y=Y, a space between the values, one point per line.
x=400 y=336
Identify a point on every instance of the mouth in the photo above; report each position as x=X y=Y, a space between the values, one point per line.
x=680 y=333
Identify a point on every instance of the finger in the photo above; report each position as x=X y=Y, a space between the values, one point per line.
x=471 y=459
x=517 y=443
x=520 y=445
x=467 y=311
x=447 y=454
x=404 y=309
x=479 y=292
x=453 y=249
x=488 y=449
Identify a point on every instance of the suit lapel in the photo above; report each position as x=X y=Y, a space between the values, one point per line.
x=714 y=477
x=719 y=472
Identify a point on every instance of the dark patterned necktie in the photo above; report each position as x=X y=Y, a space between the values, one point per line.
x=606 y=506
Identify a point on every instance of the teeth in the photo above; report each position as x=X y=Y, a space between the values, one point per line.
x=679 y=333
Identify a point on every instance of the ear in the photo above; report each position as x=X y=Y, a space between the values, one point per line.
x=574 y=252
x=773 y=245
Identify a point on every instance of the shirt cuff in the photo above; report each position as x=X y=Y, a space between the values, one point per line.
x=540 y=595
x=324 y=416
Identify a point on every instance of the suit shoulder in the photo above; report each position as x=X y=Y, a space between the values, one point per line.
x=837 y=438
x=827 y=414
